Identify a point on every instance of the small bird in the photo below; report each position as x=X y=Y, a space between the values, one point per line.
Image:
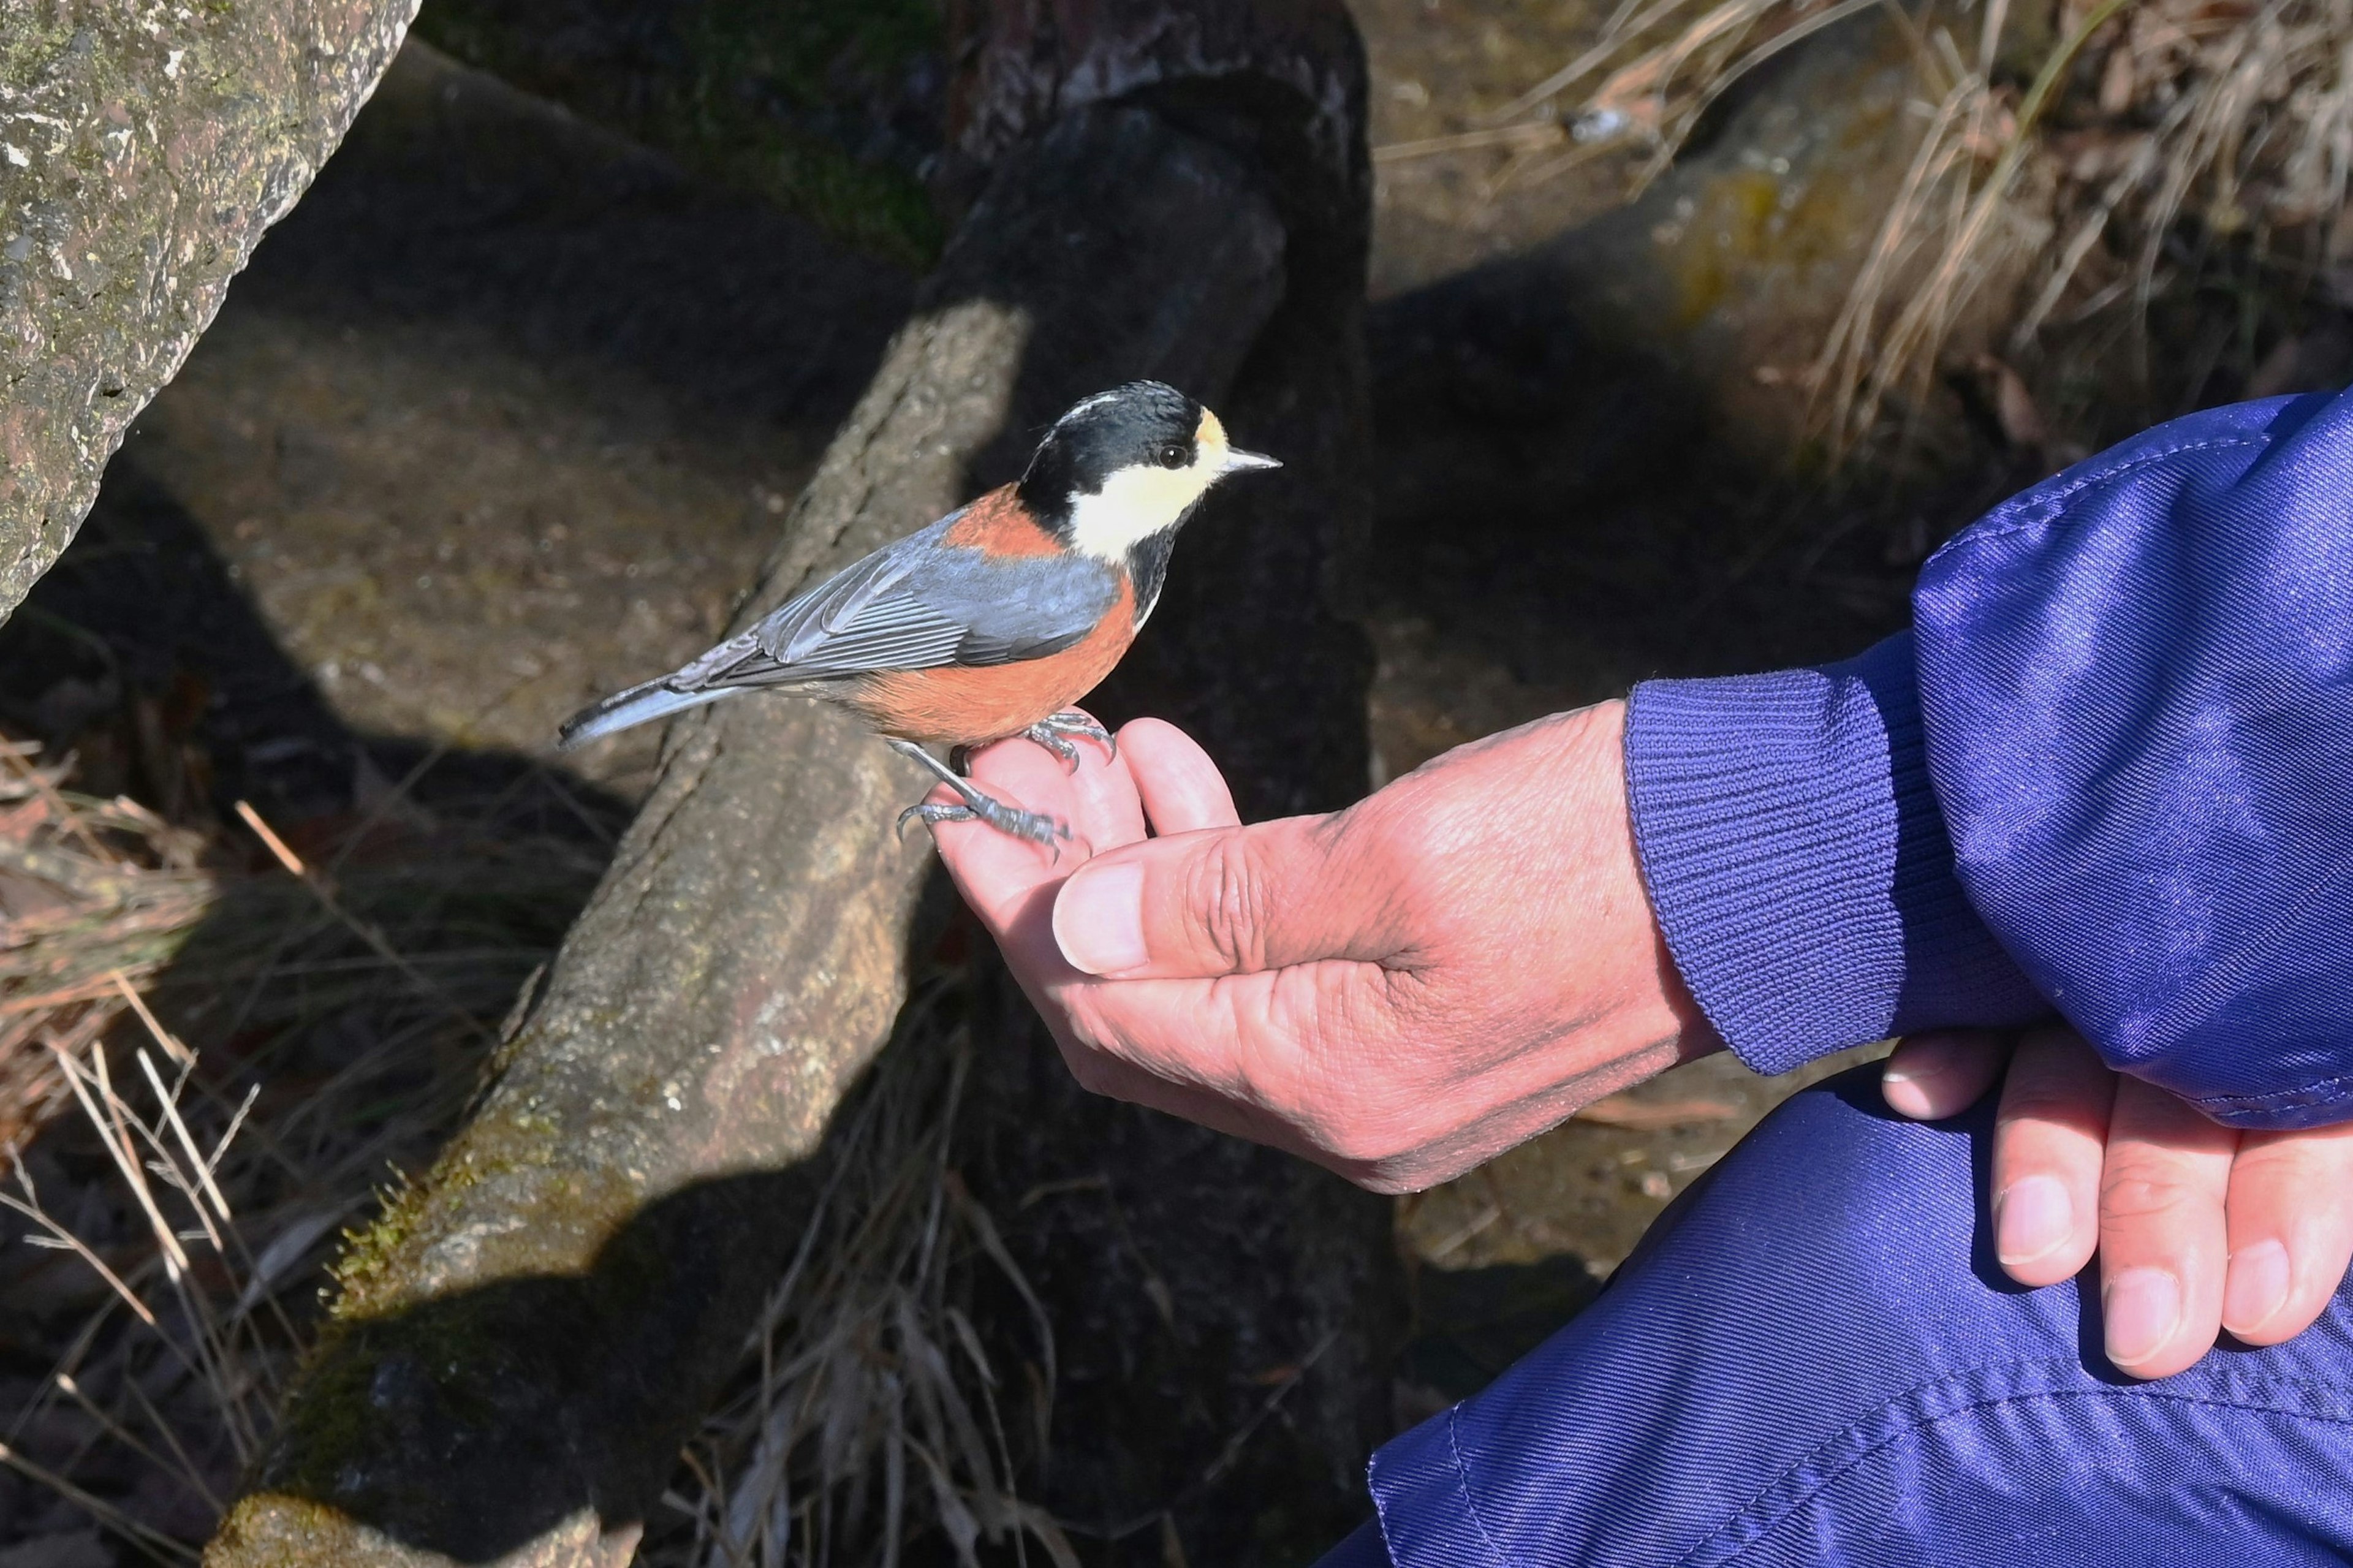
x=994 y=620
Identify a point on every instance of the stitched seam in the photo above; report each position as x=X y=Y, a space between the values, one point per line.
x=2043 y=511
x=1380 y=1514
x=1921 y=1424
x=2225 y=973
x=1890 y=1402
x=2052 y=1394
x=2045 y=507
x=2333 y=1086
x=1470 y=1497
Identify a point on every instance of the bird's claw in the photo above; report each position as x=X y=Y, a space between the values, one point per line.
x=1056 y=730
x=1035 y=827
x=1032 y=826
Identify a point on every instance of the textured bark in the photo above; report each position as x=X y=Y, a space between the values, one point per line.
x=523 y=1340
x=143 y=150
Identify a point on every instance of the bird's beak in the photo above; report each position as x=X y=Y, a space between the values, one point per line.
x=1237 y=460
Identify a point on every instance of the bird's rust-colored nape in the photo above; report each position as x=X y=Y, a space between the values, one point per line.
x=998 y=523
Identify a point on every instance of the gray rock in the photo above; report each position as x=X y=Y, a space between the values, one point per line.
x=144 y=149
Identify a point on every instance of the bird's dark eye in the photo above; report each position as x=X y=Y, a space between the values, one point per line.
x=1174 y=455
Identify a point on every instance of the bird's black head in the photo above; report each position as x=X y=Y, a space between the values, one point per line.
x=1127 y=465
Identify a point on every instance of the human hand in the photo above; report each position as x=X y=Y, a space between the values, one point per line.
x=1398 y=991
x=2199 y=1227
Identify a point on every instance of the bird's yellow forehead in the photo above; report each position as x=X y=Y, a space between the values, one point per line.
x=1208 y=433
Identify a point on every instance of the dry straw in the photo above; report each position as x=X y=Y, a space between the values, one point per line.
x=2071 y=173
x=338 y=1004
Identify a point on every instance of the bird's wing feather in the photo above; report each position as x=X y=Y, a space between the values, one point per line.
x=916 y=604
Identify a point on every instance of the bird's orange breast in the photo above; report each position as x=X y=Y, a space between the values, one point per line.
x=971 y=706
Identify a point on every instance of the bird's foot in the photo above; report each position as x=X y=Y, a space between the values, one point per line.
x=976 y=806
x=1056 y=730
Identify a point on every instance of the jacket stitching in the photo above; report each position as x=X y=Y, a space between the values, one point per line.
x=1921 y=1422
x=2042 y=508
x=2046 y=510
x=1470 y=1497
x=2331 y=1087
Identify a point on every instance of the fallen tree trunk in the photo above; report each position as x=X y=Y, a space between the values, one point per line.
x=523 y=1340
x=143 y=150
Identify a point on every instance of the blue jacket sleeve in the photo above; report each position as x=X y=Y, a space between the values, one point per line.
x=1798 y=864
x=2136 y=687
x=2111 y=769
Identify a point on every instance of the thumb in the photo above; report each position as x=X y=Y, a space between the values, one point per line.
x=1224 y=900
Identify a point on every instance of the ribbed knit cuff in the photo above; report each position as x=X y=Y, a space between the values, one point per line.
x=1798 y=865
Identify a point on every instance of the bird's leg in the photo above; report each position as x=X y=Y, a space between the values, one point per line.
x=1035 y=827
x=1054 y=733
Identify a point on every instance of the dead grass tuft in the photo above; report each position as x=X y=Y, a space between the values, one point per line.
x=869 y=1405
x=217 y=1046
x=2075 y=170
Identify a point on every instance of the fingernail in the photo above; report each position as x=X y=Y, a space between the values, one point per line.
x=1910 y=1089
x=2142 y=1307
x=2031 y=1217
x=2256 y=1287
x=1915 y=1072
x=1098 y=920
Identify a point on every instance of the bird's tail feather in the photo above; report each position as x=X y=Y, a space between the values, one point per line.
x=625 y=710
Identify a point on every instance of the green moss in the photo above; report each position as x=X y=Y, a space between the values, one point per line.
x=369 y=1250
x=792 y=101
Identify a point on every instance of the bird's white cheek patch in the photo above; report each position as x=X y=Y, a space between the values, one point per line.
x=1134 y=505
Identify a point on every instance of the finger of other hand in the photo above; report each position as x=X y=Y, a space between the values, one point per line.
x=2291 y=1230
x=2164 y=1247
x=2049 y=1138
x=1930 y=1077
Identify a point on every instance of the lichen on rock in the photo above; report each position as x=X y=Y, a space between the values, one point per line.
x=144 y=148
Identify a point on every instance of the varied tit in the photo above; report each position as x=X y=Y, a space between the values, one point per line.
x=994 y=620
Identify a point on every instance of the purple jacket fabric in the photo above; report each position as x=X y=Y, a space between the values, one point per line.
x=1813 y=1360
x=2109 y=772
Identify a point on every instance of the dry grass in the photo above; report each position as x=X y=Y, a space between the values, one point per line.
x=2156 y=150
x=174 y=1206
x=170 y=1207
x=2075 y=169
x=868 y=1404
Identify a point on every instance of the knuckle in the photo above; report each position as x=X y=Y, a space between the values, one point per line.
x=1226 y=893
x=2142 y=1187
x=1413 y=838
x=2058 y=1101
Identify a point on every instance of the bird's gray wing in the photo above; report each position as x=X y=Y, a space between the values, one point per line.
x=917 y=605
